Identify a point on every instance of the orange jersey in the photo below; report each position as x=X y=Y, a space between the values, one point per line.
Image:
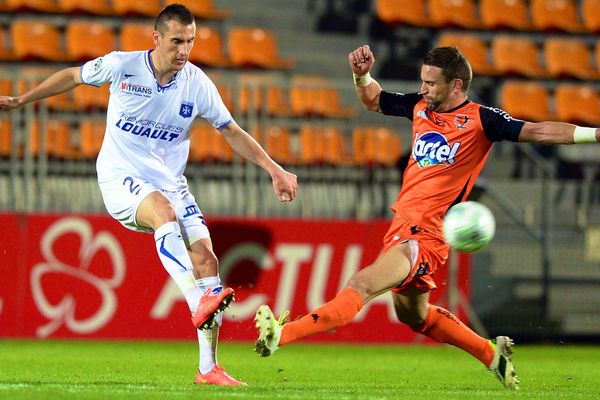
x=449 y=150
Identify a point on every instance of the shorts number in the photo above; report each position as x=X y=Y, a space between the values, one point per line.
x=133 y=189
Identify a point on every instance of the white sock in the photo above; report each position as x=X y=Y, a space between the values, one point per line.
x=209 y=338
x=176 y=260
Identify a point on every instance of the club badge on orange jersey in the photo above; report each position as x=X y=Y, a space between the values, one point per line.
x=461 y=121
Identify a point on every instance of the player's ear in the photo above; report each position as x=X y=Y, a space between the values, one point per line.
x=457 y=84
x=155 y=36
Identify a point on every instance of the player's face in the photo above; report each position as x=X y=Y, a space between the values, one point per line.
x=175 y=44
x=434 y=88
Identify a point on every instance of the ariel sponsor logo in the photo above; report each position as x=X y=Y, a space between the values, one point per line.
x=432 y=148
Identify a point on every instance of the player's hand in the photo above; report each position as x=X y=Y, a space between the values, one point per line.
x=9 y=102
x=285 y=185
x=361 y=60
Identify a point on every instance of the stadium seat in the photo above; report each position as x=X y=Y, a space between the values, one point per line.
x=461 y=13
x=277 y=144
x=375 y=146
x=590 y=9
x=5 y=51
x=303 y=94
x=569 y=57
x=88 y=40
x=334 y=147
x=91 y=136
x=135 y=36
x=208 y=145
x=312 y=145
x=208 y=48
x=254 y=47
x=328 y=104
x=43 y=6
x=555 y=15
x=59 y=143
x=146 y=8
x=473 y=47
x=250 y=100
x=5 y=138
x=205 y=9
x=226 y=93
x=579 y=104
x=94 y=7
x=277 y=103
x=37 y=40
x=529 y=100
x=517 y=55
x=88 y=97
x=397 y=12
x=499 y=14
x=61 y=102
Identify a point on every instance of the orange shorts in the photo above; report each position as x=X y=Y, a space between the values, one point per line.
x=428 y=253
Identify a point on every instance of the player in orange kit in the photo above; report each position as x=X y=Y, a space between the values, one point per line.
x=452 y=137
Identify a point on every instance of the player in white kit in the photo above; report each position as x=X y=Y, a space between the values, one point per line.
x=155 y=96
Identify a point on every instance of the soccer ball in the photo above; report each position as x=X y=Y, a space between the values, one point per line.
x=469 y=226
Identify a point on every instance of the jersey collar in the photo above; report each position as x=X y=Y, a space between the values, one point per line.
x=159 y=87
x=464 y=103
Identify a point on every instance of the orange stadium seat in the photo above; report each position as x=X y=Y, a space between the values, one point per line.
x=517 y=55
x=311 y=145
x=87 y=40
x=597 y=55
x=395 y=12
x=88 y=97
x=304 y=94
x=473 y=47
x=90 y=138
x=61 y=102
x=277 y=144
x=36 y=40
x=59 y=143
x=526 y=100
x=208 y=145
x=250 y=100
x=328 y=104
x=569 y=57
x=577 y=104
x=277 y=103
x=204 y=9
x=208 y=48
x=44 y=6
x=5 y=137
x=555 y=15
x=95 y=7
x=496 y=14
x=334 y=147
x=254 y=47
x=590 y=9
x=146 y=8
x=5 y=51
x=375 y=145
x=135 y=36
x=462 y=13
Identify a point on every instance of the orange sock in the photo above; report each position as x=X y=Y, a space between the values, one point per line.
x=335 y=313
x=441 y=325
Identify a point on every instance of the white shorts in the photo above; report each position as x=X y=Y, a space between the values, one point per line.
x=122 y=197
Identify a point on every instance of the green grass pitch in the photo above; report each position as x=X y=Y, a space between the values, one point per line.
x=165 y=370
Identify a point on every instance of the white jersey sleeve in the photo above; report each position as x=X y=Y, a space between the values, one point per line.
x=100 y=70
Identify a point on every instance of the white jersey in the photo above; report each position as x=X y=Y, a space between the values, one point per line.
x=147 y=125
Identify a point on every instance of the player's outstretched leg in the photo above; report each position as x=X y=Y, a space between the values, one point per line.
x=217 y=376
x=501 y=364
x=269 y=330
x=211 y=303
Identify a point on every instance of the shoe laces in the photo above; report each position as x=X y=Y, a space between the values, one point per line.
x=283 y=318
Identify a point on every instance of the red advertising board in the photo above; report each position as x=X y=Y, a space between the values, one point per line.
x=85 y=276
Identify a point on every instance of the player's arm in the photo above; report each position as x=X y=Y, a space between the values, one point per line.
x=61 y=81
x=367 y=89
x=284 y=183
x=550 y=132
